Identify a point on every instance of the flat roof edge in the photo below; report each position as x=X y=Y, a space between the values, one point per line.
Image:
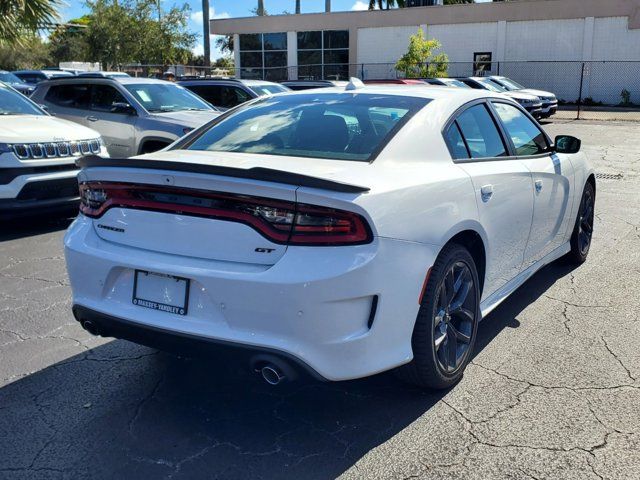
x=521 y=10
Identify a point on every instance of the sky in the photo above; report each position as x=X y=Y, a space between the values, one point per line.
x=232 y=8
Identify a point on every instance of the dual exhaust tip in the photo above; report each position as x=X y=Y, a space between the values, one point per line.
x=270 y=372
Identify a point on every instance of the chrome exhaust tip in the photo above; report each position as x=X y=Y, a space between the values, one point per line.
x=271 y=374
x=90 y=327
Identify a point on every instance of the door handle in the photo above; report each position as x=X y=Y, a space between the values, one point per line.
x=538 y=184
x=92 y=118
x=486 y=192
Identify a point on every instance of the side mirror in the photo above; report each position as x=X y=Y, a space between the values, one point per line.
x=123 y=108
x=567 y=144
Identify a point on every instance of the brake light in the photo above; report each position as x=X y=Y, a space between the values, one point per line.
x=279 y=221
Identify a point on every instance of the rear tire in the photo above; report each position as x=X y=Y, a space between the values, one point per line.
x=446 y=327
x=583 y=228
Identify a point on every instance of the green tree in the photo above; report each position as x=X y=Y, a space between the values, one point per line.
x=31 y=53
x=67 y=43
x=421 y=61
x=21 y=18
x=138 y=31
x=386 y=4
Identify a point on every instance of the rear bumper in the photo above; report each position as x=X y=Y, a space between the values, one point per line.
x=343 y=312
x=190 y=345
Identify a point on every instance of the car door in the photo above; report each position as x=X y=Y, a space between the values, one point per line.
x=69 y=101
x=504 y=191
x=552 y=176
x=115 y=122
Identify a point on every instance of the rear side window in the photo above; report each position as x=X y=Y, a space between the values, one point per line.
x=480 y=132
x=334 y=126
x=210 y=93
x=525 y=135
x=456 y=142
x=69 y=96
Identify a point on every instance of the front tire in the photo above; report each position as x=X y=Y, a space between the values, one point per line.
x=446 y=327
x=583 y=229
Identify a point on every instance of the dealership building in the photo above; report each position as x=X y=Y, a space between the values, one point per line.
x=492 y=38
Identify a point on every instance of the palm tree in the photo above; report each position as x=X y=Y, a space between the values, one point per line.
x=389 y=4
x=260 y=9
x=327 y=5
x=298 y=7
x=20 y=17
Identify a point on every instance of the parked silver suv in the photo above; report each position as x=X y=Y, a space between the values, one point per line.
x=133 y=115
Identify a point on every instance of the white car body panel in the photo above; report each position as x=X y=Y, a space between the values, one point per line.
x=36 y=130
x=314 y=303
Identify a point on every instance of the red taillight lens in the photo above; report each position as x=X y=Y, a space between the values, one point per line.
x=278 y=220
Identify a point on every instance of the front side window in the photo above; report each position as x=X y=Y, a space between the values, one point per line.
x=332 y=126
x=69 y=95
x=13 y=103
x=481 y=133
x=166 y=97
x=103 y=98
x=527 y=138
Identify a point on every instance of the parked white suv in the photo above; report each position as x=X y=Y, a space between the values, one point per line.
x=133 y=115
x=37 y=157
x=549 y=100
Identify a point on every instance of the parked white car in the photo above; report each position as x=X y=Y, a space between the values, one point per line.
x=37 y=157
x=532 y=103
x=549 y=100
x=340 y=231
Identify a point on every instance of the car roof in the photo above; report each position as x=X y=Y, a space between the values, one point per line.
x=107 y=80
x=425 y=90
x=258 y=82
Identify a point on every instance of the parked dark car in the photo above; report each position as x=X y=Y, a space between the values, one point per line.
x=445 y=82
x=309 y=84
x=531 y=103
x=229 y=92
x=15 y=82
x=33 y=77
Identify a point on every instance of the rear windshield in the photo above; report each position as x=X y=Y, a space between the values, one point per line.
x=333 y=126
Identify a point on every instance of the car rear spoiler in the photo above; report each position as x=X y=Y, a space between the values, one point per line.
x=256 y=173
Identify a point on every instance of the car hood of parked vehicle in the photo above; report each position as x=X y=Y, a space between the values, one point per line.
x=188 y=118
x=41 y=129
x=522 y=96
x=537 y=93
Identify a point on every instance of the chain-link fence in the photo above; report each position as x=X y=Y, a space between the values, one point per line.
x=586 y=90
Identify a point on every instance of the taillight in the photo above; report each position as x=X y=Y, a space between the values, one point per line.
x=279 y=221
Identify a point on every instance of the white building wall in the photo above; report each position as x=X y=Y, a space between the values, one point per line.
x=462 y=40
x=559 y=40
x=379 y=46
x=613 y=41
x=525 y=51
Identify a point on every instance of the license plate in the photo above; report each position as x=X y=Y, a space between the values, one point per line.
x=161 y=292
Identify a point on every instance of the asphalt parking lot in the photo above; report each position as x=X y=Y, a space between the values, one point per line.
x=553 y=390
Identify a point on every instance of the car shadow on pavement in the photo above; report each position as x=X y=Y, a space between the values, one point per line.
x=29 y=226
x=120 y=410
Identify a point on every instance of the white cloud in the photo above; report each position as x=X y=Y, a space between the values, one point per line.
x=360 y=5
x=196 y=17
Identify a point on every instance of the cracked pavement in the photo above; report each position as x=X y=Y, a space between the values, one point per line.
x=552 y=392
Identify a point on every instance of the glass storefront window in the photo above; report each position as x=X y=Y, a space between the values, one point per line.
x=323 y=55
x=263 y=56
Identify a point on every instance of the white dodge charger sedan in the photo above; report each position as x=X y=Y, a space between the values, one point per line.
x=342 y=231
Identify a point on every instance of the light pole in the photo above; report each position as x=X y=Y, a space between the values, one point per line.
x=205 y=33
